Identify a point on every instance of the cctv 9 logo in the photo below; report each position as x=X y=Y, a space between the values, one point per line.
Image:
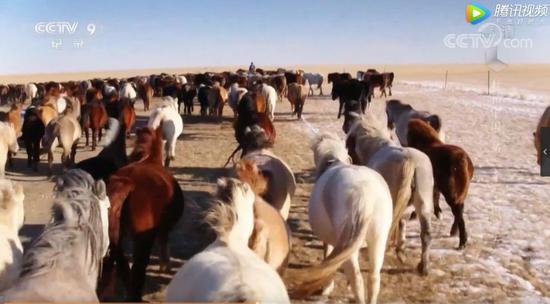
x=61 y=28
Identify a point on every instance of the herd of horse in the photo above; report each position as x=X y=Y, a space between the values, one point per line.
x=366 y=188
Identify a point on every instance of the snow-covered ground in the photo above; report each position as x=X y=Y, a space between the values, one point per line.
x=507 y=210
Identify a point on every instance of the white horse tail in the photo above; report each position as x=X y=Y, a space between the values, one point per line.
x=351 y=238
x=403 y=196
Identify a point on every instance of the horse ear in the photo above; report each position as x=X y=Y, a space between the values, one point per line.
x=100 y=189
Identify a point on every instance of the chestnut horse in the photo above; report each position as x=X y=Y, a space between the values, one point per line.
x=452 y=169
x=145 y=92
x=94 y=116
x=146 y=203
x=270 y=239
x=127 y=114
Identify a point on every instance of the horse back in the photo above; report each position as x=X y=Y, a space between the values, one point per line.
x=155 y=198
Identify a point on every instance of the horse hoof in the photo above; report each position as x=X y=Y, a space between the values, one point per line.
x=413 y=215
x=461 y=247
x=422 y=269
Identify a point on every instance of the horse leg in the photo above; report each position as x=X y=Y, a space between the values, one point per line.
x=389 y=88
x=327 y=249
x=376 y=247
x=320 y=90
x=50 y=163
x=142 y=250
x=340 y=108
x=400 y=247
x=94 y=139
x=35 y=154
x=437 y=208
x=458 y=212
x=423 y=211
x=73 y=152
x=164 y=264
x=29 y=147
x=99 y=134
x=355 y=279
x=87 y=133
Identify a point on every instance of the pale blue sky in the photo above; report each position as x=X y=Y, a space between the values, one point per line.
x=156 y=34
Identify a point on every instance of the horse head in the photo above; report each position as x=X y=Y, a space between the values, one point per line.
x=247 y=171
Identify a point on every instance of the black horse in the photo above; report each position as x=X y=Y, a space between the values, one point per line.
x=111 y=158
x=347 y=90
x=32 y=132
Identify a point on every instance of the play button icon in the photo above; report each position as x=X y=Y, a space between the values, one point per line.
x=545 y=151
x=476 y=13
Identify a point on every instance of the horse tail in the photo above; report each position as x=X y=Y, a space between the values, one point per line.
x=350 y=239
x=463 y=171
x=403 y=196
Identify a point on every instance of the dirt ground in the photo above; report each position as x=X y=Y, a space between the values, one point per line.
x=507 y=215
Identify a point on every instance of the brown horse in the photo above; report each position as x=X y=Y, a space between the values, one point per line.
x=297 y=94
x=146 y=203
x=94 y=116
x=145 y=92
x=271 y=236
x=127 y=114
x=452 y=168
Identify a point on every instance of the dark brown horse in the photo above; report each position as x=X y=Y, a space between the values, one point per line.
x=146 y=203
x=452 y=168
x=253 y=129
x=145 y=92
x=93 y=116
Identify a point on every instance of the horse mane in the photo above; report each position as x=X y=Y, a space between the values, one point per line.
x=221 y=216
x=327 y=149
x=421 y=134
x=75 y=218
x=370 y=132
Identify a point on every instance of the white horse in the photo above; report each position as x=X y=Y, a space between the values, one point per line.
x=235 y=95
x=109 y=89
x=8 y=144
x=314 y=79
x=172 y=126
x=32 y=90
x=127 y=90
x=399 y=115
x=227 y=270
x=64 y=131
x=407 y=171
x=181 y=79
x=348 y=204
x=12 y=215
x=63 y=263
x=270 y=95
